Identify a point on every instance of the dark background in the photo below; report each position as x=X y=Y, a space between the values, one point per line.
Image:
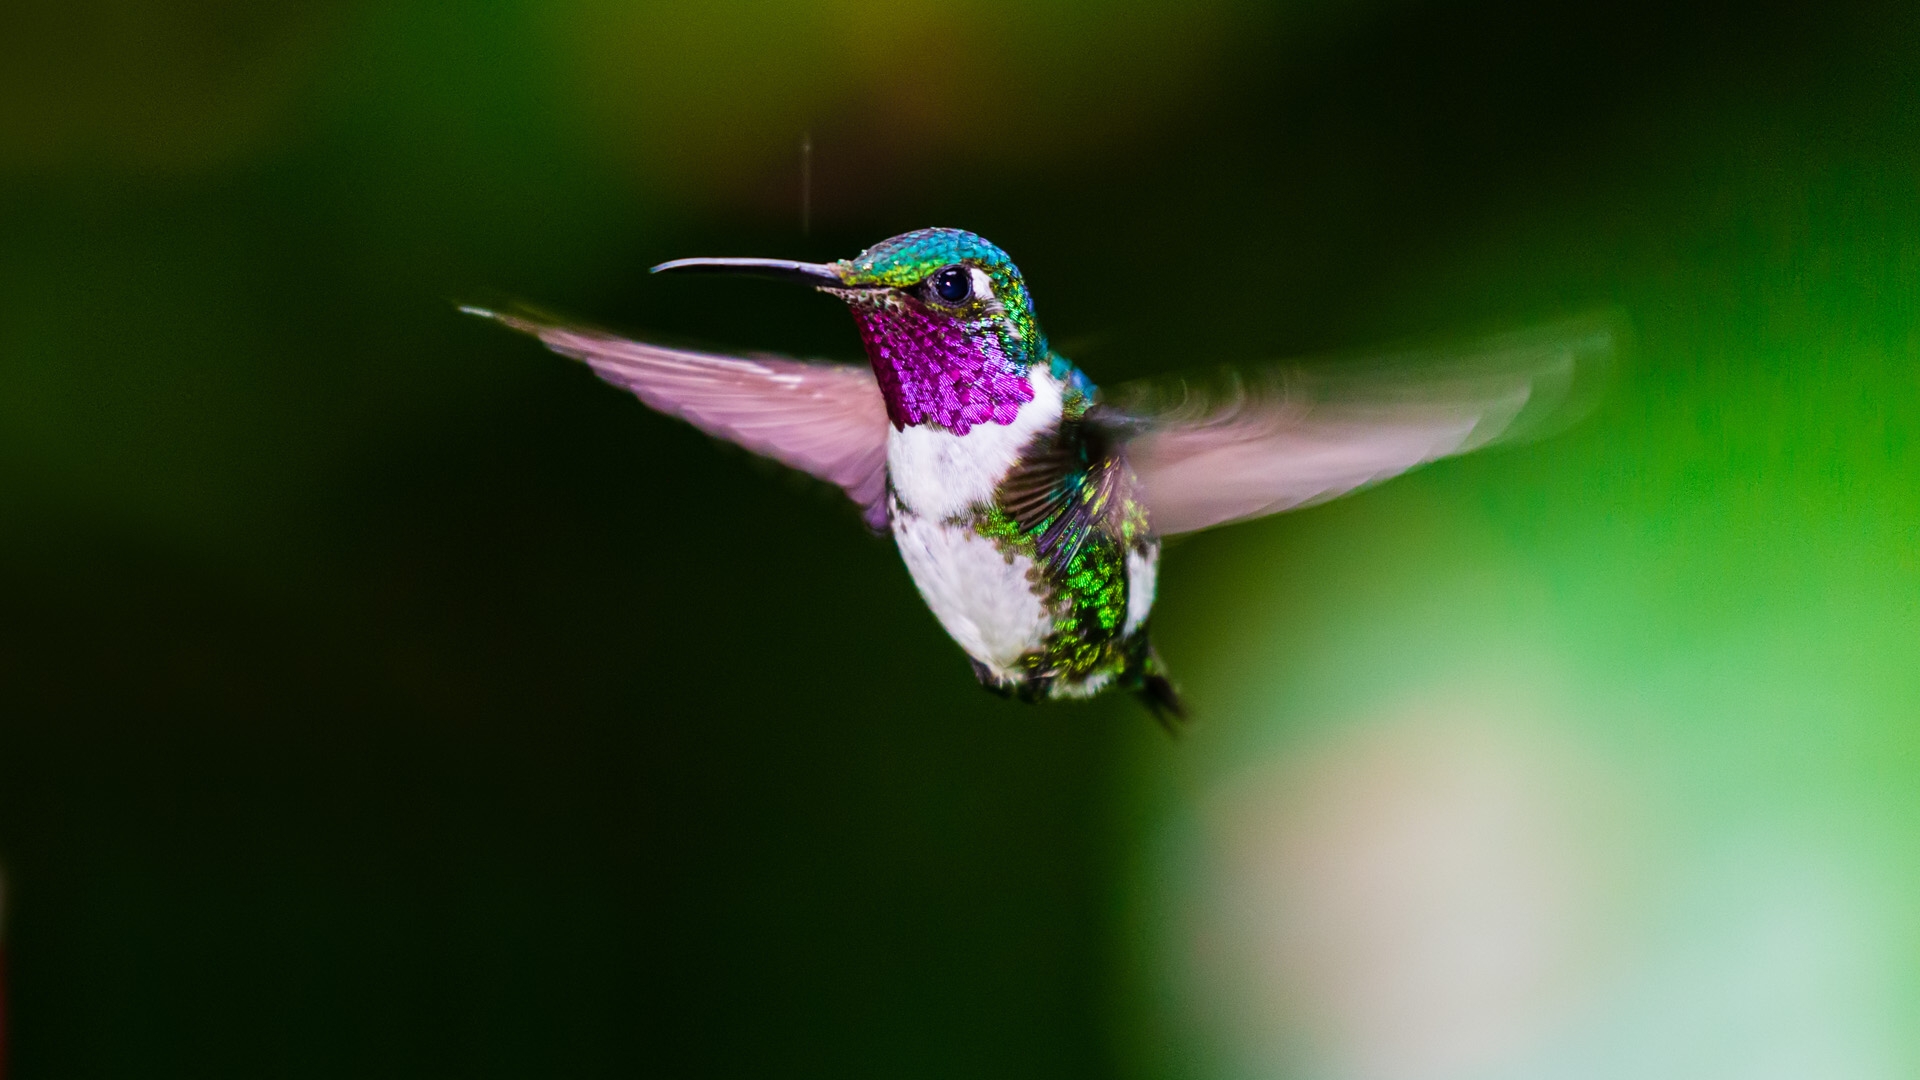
x=385 y=696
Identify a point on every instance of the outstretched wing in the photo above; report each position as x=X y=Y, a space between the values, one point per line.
x=827 y=420
x=1284 y=438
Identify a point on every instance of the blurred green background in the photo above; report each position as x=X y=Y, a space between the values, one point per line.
x=386 y=697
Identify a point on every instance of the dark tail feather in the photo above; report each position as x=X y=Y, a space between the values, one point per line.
x=1156 y=692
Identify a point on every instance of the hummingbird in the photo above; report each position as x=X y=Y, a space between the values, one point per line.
x=1029 y=506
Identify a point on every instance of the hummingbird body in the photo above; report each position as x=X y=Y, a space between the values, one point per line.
x=1045 y=585
x=1028 y=507
x=1039 y=619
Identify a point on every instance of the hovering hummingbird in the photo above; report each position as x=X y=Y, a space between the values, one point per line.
x=1028 y=506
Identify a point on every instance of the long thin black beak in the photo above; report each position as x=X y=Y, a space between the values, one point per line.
x=783 y=269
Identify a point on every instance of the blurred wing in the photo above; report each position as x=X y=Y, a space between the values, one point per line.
x=1279 y=439
x=827 y=420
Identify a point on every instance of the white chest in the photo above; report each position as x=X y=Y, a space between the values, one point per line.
x=941 y=475
x=982 y=596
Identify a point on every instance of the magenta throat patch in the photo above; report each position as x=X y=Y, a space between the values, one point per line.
x=932 y=371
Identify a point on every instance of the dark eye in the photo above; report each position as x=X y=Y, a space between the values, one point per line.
x=952 y=284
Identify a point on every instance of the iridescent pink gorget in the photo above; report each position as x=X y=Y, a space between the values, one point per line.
x=933 y=370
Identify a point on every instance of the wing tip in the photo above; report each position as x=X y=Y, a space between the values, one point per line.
x=562 y=335
x=526 y=324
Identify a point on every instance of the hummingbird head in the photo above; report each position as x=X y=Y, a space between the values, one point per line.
x=944 y=315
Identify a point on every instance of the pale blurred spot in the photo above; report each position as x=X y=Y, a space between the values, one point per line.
x=1772 y=959
x=1422 y=896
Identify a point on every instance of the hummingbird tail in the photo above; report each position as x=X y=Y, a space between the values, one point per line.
x=1156 y=692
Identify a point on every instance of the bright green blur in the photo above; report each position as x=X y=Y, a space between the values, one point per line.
x=1595 y=758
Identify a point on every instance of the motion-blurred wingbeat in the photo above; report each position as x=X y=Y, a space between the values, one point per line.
x=1028 y=505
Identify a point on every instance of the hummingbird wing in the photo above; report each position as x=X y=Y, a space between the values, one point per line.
x=827 y=420
x=1281 y=438
x=1067 y=484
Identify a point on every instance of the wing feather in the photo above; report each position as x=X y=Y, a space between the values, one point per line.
x=1280 y=439
x=827 y=420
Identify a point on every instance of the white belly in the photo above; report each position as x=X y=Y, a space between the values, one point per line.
x=981 y=596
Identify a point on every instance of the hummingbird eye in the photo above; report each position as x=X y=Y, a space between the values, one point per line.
x=951 y=284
